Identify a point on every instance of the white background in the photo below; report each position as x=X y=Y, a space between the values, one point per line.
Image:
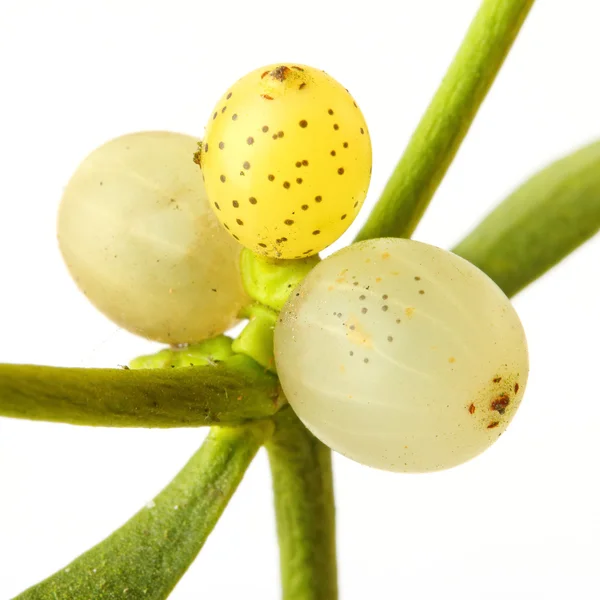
x=522 y=521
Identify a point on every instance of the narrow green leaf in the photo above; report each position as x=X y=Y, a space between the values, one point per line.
x=447 y=119
x=228 y=392
x=146 y=557
x=540 y=223
x=305 y=511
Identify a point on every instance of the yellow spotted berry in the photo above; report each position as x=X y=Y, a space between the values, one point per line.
x=286 y=160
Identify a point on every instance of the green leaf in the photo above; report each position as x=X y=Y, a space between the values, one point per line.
x=228 y=392
x=146 y=557
x=305 y=511
x=447 y=119
x=540 y=223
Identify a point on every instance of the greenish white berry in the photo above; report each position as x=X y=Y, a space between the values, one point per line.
x=402 y=356
x=139 y=238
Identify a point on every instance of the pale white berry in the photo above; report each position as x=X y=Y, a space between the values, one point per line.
x=401 y=356
x=138 y=236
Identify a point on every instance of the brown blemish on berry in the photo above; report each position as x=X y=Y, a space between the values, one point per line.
x=421 y=292
x=234 y=117
x=362 y=130
x=330 y=112
x=235 y=204
x=252 y=200
x=271 y=177
x=264 y=74
x=297 y=68
x=343 y=217
x=221 y=145
x=222 y=178
x=341 y=171
x=266 y=96
x=280 y=73
x=286 y=185
x=318 y=199
x=516 y=387
x=299 y=180
x=316 y=232
x=345 y=144
x=250 y=141
x=471 y=408
x=336 y=126
x=493 y=424
x=332 y=153
x=305 y=163
x=223 y=109
x=497 y=379
x=289 y=222
x=217 y=206
x=304 y=207
x=500 y=404
x=298 y=164
x=246 y=165
x=229 y=95
x=239 y=221
x=262 y=245
x=265 y=128
x=197 y=159
x=302 y=85
x=214 y=116
x=303 y=123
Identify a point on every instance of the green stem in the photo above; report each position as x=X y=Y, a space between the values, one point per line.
x=146 y=557
x=305 y=512
x=540 y=223
x=256 y=339
x=228 y=392
x=447 y=119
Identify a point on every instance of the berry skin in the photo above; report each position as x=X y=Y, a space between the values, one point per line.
x=286 y=160
x=401 y=356
x=139 y=239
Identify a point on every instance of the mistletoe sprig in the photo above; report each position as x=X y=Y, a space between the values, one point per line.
x=285 y=177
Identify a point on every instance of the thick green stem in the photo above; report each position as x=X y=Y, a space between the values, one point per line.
x=540 y=223
x=305 y=511
x=228 y=392
x=447 y=119
x=146 y=557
